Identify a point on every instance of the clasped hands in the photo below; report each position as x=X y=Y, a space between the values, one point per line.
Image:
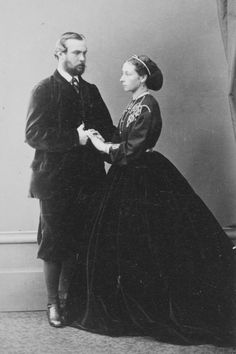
x=95 y=137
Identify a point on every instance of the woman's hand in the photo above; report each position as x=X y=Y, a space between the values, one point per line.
x=97 y=142
x=96 y=134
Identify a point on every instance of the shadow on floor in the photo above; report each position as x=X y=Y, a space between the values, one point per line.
x=29 y=333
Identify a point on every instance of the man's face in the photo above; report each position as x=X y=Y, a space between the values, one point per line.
x=74 y=59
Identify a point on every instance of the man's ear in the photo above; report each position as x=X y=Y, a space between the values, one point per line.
x=59 y=54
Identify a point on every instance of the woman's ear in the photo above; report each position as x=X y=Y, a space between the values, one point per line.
x=143 y=79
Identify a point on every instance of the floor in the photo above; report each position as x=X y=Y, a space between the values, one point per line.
x=29 y=333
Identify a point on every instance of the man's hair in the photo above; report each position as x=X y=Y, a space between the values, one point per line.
x=61 y=43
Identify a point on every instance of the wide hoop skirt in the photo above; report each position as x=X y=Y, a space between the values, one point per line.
x=158 y=262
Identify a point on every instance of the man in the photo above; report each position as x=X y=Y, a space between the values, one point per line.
x=66 y=167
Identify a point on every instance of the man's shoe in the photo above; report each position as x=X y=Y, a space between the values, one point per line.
x=54 y=317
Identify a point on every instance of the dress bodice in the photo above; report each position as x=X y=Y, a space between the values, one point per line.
x=138 y=130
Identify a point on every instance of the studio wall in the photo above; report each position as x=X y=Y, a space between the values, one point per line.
x=182 y=36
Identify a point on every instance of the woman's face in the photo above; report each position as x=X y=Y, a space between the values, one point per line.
x=130 y=79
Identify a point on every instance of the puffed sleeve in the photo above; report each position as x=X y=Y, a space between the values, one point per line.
x=43 y=131
x=139 y=137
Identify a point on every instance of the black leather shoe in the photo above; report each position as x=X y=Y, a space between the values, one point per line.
x=54 y=317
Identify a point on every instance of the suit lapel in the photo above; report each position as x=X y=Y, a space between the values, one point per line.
x=85 y=98
x=66 y=88
x=71 y=96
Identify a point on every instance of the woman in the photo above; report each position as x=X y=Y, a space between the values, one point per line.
x=158 y=262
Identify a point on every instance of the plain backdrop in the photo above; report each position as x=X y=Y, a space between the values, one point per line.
x=182 y=36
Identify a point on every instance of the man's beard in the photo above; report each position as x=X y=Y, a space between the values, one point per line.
x=79 y=70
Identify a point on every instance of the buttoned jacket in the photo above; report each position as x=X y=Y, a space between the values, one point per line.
x=61 y=165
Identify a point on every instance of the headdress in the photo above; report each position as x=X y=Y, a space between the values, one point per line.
x=142 y=62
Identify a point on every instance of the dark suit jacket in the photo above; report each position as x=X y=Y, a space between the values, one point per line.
x=61 y=165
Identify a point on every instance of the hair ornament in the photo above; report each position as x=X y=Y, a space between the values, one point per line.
x=142 y=62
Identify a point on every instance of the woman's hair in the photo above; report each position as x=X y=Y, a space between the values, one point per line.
x=61 y=43
x=145 y=66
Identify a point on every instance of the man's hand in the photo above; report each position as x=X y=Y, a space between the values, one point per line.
x=83 y=137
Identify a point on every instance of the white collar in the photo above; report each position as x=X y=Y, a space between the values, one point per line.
x=141 y=95
x=66 y=75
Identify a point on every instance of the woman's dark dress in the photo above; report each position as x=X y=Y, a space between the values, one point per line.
x=158 y=262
